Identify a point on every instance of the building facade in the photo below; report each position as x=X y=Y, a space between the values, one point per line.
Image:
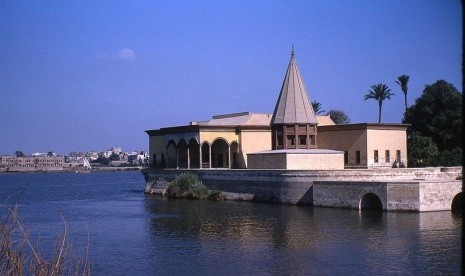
x=32 y=163
x=225 y=141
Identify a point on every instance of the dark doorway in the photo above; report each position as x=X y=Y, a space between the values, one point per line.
x=357 y=157
x=220 y=150
x=220 y=160
x=205 y=155
x=194 y=153
x=457 y=203
x=371 y=201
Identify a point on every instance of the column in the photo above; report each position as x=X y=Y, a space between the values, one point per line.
x=284 y=136
x=210 y=156
x=200 y=156
x=188 y=158
x=229 y=156
x=177 y=158
x=165 y=157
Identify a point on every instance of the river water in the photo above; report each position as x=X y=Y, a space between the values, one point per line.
x=130 y=233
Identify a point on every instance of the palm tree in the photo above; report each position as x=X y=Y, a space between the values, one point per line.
x=403 y=81
x=317 y=107
x=379 y=92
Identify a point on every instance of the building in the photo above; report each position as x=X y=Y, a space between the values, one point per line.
x=32 y=163
x=293 y=137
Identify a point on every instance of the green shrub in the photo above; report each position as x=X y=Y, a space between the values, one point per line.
x=188 y=185
x=215 y=195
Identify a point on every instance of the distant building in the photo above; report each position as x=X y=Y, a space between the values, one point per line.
x=138 y=158
x=32 y=163
x=293 y=133
x=92 y=155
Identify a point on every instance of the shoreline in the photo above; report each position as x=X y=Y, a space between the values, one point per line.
x=76 y=170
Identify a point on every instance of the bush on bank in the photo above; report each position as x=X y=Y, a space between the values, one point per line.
x=188 y=185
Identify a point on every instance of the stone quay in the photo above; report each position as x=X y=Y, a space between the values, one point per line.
x=394 y=189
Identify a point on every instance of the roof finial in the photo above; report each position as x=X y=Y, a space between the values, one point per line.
x=292 y=52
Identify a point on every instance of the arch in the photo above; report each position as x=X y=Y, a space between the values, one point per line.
x=457 y=203
x=370 y=201
x=171 y=150
x=205 y=155
x=234 y=155
x=194 y=153
x=220 y=153
x=182 y=154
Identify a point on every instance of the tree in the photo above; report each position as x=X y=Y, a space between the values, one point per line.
x=422 y=151
x=379 y=92
x=317 y=107
x=102 y=160
x=402 y=81
x=339 y=117
x=437 y=113
x=19 y=153
x=114 y=157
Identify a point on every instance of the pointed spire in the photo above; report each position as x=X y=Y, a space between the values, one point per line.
x=293 y=106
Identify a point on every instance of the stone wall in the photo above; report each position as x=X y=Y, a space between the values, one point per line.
x=266 y=161
x=270 y=186
x=403 y=196
x=438 y=195
x=395 y=196
x=346 y=194
x=425 y=189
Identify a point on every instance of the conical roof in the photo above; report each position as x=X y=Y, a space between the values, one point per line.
x=293 y=106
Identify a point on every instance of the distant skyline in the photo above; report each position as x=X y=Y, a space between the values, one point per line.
x=90 y=75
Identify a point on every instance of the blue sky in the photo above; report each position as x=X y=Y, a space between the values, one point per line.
x=89 y=75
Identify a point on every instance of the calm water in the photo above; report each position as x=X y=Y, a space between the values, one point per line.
x=133 y=234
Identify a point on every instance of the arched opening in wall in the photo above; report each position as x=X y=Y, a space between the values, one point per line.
x=171 y=154
x=220 y=154
x=182 y=153
x=205 y=155
x=371 y=201
x=234 y=155
x=457 y=203
x=194 y=153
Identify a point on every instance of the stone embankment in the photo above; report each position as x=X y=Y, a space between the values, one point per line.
x=409 y=189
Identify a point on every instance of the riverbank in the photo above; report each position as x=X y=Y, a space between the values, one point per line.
x=78 y=170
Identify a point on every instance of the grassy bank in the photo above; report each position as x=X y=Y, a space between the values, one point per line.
x=188 y=185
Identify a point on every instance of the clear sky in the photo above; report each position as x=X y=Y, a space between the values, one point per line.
x=89 y=75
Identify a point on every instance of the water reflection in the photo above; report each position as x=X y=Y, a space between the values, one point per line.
x=247 y=223
x=235 y=236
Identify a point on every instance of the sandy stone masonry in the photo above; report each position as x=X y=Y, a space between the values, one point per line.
x=426 y=189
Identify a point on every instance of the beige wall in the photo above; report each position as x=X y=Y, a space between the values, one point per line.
x=386 y=139
x=252 y=141
x=346 y=140
x=366 y=141
x=296 y=161
x=211 y=135
x=331 y=161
